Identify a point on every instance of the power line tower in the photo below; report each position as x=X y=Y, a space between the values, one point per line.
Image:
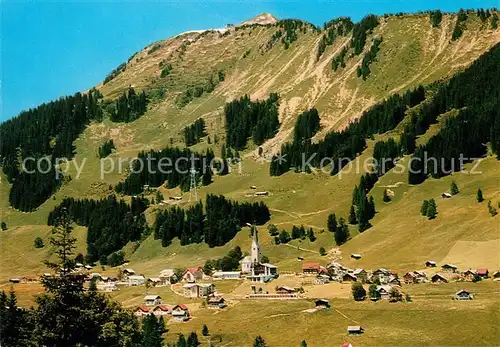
x=193 y=184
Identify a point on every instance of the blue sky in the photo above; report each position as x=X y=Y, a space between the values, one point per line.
x=51 y=49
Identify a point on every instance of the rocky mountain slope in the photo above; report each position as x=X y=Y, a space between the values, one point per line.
x=263 y=56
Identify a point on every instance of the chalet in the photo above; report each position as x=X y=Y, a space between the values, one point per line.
x=226 y=275
x=322 y=303
x=469 y=274
x=383 y=276
x=446 y=195
x=95 y=275
x=142 y=311
x=310 y=268
x=128 y=272
x=483 y=273
x=354 y=329
x=27 y=279
x=198 y=290
x=168 y=276
x=161 y=310
x=336 y=270
x=414 y=277
x=106 y=286
x=360 y=274
x=437 y=278
x=384 y=291
x=356 y=256
x=322 y=279
x=152 y=300
x=410 y=277
x=180 y=313
x=216 y=302
x=193 y=274
x=155 y=282
x=430 y=263
x=349 y=277
x=463 y=295
x=136 y=280
x=449 y=268
x=394 y=280
x=285 y=290
x=496 y=275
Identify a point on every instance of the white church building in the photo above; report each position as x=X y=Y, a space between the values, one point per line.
x=252 y=265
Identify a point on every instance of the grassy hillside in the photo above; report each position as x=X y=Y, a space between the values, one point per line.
x=411 y=53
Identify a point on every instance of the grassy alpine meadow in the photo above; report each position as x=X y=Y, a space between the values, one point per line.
x=435 y=320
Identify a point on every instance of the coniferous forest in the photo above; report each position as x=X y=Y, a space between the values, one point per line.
x=194 y=132
x=169 y=164
x=129 y=106
x=111 y=223
x=48 y=132
x=476 y=94
x=348 y=143
x=245 y=119
x=223 y=218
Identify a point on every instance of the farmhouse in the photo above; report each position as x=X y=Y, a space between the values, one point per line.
x=414 y=277
x=193 y=274
x=356 y=256
x=15 y=280
x=198 y=290
x=216 y=302
x=449 y=268
x=496 y=275
x=152 y=300
x=469 y=274
x=446 y=195
x=322 y=303
x=180 y=313
x=349 y=277
x=261 y=193
x=484 y=273
x=27 y=279
x=106 y=286
x=141 y=311
x=128 y=272
x=168 y=276
x=463 y=295
x=430 y=263
x=226 y=275
x=284 y=290
x=136 y=280
x=384 y=291
x=354 y=329
x=360 y=274
x=155 y=282
x=437 y=278
x=161 y=310
x=310 y=268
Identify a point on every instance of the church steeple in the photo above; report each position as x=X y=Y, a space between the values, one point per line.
x=255 y=254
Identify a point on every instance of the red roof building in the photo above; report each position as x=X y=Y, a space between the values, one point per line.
x=311 y=268
x=483 y=272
